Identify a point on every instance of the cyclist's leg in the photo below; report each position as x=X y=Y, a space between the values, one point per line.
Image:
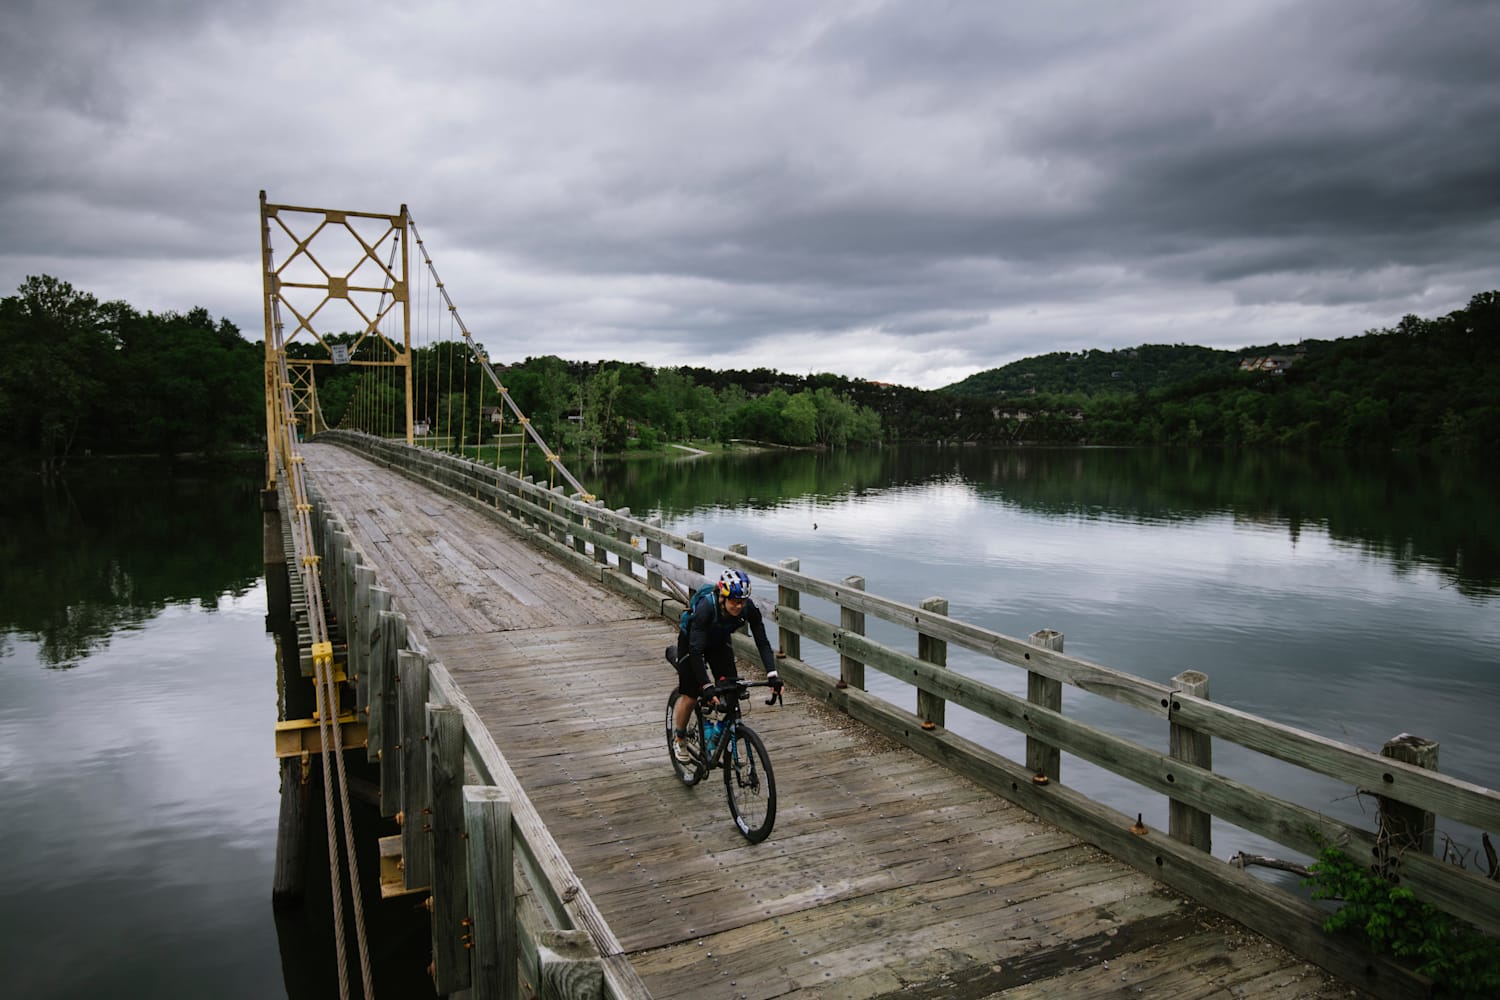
x=688 y=684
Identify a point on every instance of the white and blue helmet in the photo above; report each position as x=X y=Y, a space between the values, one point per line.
x=733 y=583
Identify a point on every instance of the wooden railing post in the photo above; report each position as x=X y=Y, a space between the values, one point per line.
x=379 y=670
x=580 y=544
x=653 y=548
x=555 y=534
x=337 y=576
x=416 y=845
x=329 y=567
x=695 y=563
x=601 y=554
x=388 y=708
x=1191 y=826
x=1401 y=825
x=362 y=639
x=931 y=709
x=624 y=535
x=852 y=671
x=1042 y=759
x=450 y=876
x=492 y=894
x=568 y=967
x=790 y=642
x=560 y=534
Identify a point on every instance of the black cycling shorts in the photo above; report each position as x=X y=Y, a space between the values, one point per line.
x=690 y=679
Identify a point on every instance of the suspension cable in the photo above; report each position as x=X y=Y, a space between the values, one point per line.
x=292 y=476
x=552 y=457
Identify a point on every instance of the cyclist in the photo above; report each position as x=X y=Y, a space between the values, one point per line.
x=704 y=651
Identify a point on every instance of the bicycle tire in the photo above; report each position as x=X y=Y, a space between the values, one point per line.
x=750 y=785
x=688 y=774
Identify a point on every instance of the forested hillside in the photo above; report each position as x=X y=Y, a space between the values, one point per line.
x=1120 y=372
x=84 y=376
x=1423 y=384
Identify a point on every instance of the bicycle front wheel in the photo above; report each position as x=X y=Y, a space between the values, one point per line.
x=750 y=785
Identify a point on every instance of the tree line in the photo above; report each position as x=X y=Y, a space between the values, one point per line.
x=84 y=376
x=608 y=406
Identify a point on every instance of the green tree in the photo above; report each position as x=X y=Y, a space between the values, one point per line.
x=59 y=345
x=835 y=417
x=187 y=384
x=601 y=426
x=799 y=420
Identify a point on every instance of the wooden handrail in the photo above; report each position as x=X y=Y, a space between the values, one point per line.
x=546 y=515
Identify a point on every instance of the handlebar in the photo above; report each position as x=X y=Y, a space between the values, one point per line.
x=738 y=688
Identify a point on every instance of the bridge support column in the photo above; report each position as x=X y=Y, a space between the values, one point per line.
x=291 y=833
x=273 y=547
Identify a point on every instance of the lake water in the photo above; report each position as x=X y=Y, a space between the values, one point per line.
x=137 y=679
x=137 y=772
x=1352 y=597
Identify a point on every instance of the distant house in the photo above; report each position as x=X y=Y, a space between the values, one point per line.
x=1272 y=363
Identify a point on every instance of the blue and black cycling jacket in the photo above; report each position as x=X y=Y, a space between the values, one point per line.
x=711 y=625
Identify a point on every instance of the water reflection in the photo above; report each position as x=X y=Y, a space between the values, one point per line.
x=1414 y=513
x=105 y=551
x=141 y=778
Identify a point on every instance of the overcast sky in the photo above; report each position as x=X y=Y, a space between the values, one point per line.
x=905 y=192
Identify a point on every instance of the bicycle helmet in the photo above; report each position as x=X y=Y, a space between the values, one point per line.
x=733 y=583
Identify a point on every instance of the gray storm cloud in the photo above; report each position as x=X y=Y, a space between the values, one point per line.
x=893 y=191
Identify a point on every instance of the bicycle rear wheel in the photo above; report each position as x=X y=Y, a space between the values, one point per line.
x=750 y=785
x=688 y=774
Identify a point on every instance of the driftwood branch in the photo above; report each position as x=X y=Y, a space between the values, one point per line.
x=1243 y=860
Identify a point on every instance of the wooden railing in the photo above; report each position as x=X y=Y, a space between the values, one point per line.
x=461 y=843
x=627 y=554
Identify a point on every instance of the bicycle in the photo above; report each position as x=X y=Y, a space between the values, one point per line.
x=749 y=781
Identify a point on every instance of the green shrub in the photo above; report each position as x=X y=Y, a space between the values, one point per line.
x=1389 y=919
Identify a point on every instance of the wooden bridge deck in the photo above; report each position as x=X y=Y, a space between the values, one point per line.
x=887 y=875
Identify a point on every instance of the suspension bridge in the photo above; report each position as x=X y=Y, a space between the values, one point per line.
x=491 y=642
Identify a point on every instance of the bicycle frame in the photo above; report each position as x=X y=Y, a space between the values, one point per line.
x=749 y=781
